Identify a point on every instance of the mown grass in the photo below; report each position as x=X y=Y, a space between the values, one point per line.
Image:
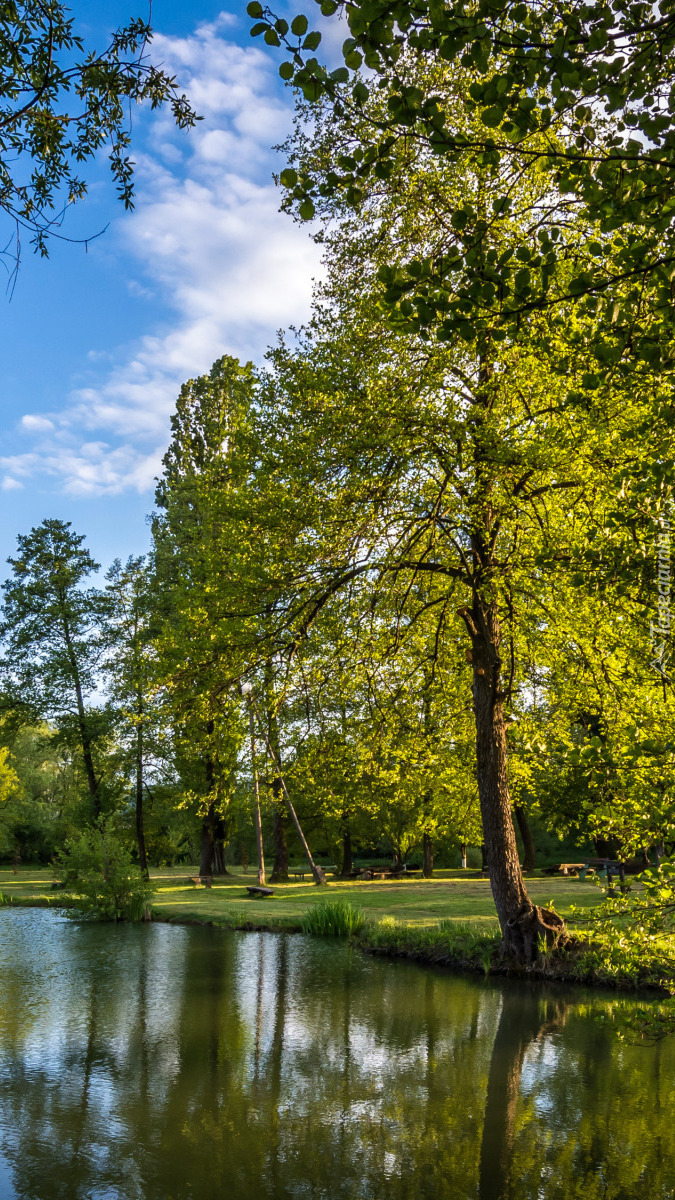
x=450 y=942
x=416 y=902
x=447 y=920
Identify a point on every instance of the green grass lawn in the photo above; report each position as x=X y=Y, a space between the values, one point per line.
x=418 y=902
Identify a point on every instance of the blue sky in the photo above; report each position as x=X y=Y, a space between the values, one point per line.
x=97 y=343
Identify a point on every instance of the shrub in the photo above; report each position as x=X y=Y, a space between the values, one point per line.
x=98 y=868
x=333 y=918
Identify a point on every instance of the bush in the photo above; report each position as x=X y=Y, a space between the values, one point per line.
x=98 y=868
x=333 y=918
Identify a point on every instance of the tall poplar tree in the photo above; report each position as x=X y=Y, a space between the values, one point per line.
x=196 y=663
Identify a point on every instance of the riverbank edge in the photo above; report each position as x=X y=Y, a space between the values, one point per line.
x=459 y=950
x=430 y=946
x=567 y=968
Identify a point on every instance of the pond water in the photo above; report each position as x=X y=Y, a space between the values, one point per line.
x=163 y=1063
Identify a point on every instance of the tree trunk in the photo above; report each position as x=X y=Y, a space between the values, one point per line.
x=219 y=867
x=140 y=831
x=256 y=801
x=85 y=739
x=427 y=856
x=206 y=856
x=602 y=847
x=209 y=822
x=463 y=853
x=427 y=803
x=271 y=736
x=280 y=868
x=221 y=838
x=526 y=835
x=347 y=860
x=524 y=925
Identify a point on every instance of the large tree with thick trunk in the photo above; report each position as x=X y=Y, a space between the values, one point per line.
x=464 y=477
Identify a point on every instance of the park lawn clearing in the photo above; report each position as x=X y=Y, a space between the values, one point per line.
x=416 y=903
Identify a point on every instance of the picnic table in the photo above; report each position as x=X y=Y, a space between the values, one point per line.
x=377 y=872
x=583 y=869
x=302 y=871
x=610 y=865
x=255 y=890
x=565 y=868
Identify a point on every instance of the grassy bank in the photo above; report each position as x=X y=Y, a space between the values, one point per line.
x=449 y=920
x=416 y=903
x=471 y=947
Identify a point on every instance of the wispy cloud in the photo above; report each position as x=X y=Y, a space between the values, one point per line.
x=207 y=239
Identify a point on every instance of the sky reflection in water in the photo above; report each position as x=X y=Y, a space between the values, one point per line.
x=160 y=1063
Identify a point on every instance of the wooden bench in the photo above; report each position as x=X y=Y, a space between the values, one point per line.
x=254 y=890
x=205 y=880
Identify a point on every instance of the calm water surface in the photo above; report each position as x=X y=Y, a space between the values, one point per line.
x=158 y=1063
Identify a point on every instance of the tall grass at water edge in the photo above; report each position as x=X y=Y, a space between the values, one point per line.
x=333 y=918
x=449 y=941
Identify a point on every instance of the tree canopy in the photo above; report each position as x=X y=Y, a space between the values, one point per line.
x=61 y=102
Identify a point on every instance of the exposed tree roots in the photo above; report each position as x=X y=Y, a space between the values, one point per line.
x=534 y=931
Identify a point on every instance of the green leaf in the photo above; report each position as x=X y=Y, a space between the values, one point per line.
x=271 y=37
x=306 y=210
x=288 y=177
x=254 y=9
x=287 y=70
x=493 y=116
x=256 y=30
x=312 y=40
x=299 y=25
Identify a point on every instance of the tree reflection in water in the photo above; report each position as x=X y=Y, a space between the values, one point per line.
x=168 y=1064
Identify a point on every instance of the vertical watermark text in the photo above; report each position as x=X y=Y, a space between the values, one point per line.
x=660 y=629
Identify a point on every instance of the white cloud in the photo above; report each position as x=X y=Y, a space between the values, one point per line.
x=33 y=423
x=207 y=236
x=9 y=484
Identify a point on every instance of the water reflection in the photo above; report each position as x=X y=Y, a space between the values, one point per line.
x=166 y=1064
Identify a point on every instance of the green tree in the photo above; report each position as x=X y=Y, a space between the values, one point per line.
x=492 y=456
x=196 y=543
x=128 y=663
x=61 y=102
x=45 y=803
x=580 y=92
x=51 y=633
